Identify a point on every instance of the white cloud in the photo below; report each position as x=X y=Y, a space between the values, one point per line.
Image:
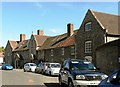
x=56 y=31
x=39 y=5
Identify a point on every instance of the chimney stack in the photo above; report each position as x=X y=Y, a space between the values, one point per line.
x=22 y=37
x=40 y=32
x=70 y=29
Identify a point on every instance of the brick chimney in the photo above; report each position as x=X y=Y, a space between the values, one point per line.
x=70 y=29
x=40 y=32
x=22 y=37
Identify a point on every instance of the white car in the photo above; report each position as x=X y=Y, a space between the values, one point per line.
x=53 y=69
x=0 y=65
x=30 y=67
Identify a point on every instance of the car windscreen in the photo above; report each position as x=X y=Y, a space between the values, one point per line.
x=6 y=65
x=82 y=66
x=55 y=65
x=32 y=64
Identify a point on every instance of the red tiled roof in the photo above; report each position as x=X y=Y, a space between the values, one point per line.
x=22 y=45
x=59 y=41
x=13 y=44
x=40 y=39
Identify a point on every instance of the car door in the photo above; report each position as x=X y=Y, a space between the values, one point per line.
x=65 y=72
x=27 y=67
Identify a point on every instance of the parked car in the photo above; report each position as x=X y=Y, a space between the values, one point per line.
x=42 y=67
x=0 y=65
x=76 y=73
x=7 y=67
x=112 y=81
x=39 y=68
x=53 y=69
x=30 y=67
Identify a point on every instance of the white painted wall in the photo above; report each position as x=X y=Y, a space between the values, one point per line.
x=1 y=59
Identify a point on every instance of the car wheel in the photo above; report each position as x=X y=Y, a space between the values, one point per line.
x=61 y=84
x=30 y=70
x=42 y=72
x=24 y=70
x=70 y=83
x=36 y=71
x=50 y=73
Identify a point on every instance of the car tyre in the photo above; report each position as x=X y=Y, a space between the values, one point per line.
x=70 y=83
x=29 y=70
x=24 y=70
x=50 y=73
x=61 y=84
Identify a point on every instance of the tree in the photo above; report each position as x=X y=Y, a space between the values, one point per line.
x=2 y=49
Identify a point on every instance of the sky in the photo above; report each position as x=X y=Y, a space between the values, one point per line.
x=52 y=17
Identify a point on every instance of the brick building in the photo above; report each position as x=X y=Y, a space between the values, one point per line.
x=10 y=47
x=57 y=48
x=96 y=29
x=36 y=41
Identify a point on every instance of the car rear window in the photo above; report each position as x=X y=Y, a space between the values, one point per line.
x=55 y=65
x=32 y=64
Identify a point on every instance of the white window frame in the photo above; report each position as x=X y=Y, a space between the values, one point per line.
x=51 y=52
x=72 y=50
x=88 y=24
x=88 y=47
x=62 y=51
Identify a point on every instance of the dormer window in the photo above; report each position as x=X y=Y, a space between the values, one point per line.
x=88 y=26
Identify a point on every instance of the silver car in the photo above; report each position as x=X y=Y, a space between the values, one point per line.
x=41 y=68
x=30 y=67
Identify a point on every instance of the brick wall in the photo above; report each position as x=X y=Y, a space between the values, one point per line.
x=107 y=57
x=96 y=35
x=8 y=54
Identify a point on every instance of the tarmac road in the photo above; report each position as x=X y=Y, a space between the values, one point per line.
x=18 y=78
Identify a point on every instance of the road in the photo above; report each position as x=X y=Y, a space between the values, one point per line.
x=18 y=78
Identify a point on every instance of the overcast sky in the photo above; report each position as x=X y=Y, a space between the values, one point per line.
x=52 y=17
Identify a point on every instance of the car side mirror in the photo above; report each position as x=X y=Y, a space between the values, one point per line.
x=66 y=69
x=98 y=68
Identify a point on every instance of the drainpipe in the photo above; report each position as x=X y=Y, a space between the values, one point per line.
x=75 y=52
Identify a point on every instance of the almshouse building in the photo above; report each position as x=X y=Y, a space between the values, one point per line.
x=57 y=48
x=96 y=29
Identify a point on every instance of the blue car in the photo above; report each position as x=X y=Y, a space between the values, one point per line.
x=112 y=81
x=7 y=67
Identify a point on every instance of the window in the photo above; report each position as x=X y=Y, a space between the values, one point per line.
x=67 y=65
x=88 y=46
x=51 y=52
x=88 y=26
x=62 y=49
x=72 y=50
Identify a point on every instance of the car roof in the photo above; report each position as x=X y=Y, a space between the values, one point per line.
x=76 y=60
x=54 y=63
x=30 y=63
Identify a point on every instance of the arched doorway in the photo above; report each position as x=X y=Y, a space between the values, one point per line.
x=19 y=61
